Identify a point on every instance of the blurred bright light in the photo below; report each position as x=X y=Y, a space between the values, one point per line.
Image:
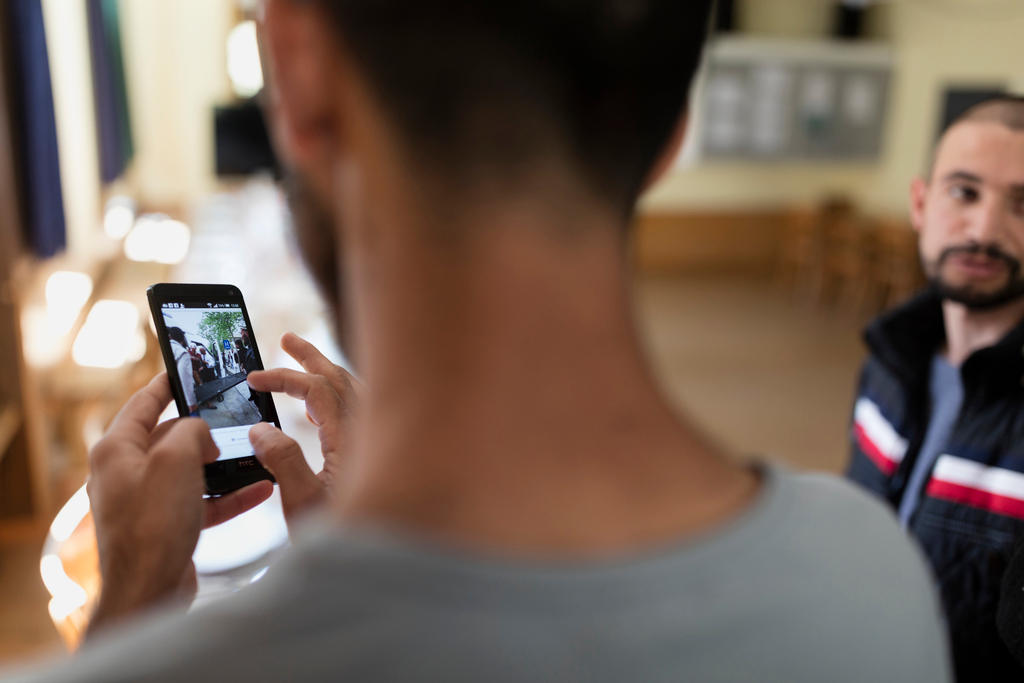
x=62 y=607
x=66 y=293
x=243 y=539
x=232 y=271
x=110 y=337
x=158 y=238
x=44 y=328
x=67 y=595
x=119 y=217
x=43 y=342
x=92 y=430
x=70 y=516
x=244 y=68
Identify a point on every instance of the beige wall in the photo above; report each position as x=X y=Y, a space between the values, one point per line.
x=934 y=44
x=939 y=44
x=67 y=48
x=175 y=71
x=785 y=17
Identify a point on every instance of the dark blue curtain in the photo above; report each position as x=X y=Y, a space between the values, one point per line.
x=34 y=128
x=113 y=126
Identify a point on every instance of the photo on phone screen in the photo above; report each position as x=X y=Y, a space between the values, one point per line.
x=209 y=349
x=213 y=352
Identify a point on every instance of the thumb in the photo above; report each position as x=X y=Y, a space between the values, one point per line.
x=300 y=488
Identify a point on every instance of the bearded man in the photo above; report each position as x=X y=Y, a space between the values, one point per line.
x=938 y=424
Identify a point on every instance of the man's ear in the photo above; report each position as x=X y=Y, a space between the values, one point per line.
x=301 y=72
x=669 y=152
x=918 y=198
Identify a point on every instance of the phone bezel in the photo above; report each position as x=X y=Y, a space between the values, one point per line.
x=222 y=476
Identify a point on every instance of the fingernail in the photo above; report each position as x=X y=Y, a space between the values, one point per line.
x=259 y=429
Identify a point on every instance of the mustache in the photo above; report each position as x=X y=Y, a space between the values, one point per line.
x=992 y=251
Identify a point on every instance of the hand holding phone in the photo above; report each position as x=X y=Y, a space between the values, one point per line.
x=331 y=397
x=209 y=349
x=145 y=489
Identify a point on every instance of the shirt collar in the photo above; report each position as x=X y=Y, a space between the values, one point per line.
x=905 y=338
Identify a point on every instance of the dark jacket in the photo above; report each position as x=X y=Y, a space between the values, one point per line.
x=971 y=509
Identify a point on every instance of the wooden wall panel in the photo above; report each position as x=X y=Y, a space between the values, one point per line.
x=708 y=242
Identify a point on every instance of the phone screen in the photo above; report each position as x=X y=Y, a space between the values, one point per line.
x=213 y=350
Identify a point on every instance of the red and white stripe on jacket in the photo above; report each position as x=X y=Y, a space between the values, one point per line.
x=971 y=483
x=876 y=436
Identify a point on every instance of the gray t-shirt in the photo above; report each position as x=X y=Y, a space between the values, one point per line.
x=947 y=395
x=813 y=582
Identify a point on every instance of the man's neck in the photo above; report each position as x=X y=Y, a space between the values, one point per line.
x=508 y=400
x=968 y=331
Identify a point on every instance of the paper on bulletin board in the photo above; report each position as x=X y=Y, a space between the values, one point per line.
x=726 y=95
x=817 y=106
x=861 y=100
x=772 y=86
x=817 y=96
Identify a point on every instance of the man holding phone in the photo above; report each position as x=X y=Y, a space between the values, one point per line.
x=513 y=498
x=938 y=425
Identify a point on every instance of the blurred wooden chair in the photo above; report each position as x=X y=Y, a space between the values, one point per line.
x=850 y=252
x=801 y=265
x=897 y=270
x=801 y=248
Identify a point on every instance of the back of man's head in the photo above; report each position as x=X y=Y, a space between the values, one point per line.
x=479 y=88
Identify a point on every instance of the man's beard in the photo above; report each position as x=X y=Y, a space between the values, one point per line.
x=969 y=295
x=315 y=232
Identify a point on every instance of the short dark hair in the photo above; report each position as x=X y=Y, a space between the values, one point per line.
x=177 y=334
x=477 y=86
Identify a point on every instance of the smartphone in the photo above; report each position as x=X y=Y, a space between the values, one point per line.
x=209 y=348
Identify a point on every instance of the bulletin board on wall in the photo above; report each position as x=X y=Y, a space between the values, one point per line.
x=779 y=100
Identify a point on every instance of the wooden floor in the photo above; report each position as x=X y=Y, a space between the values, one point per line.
x=766 y=376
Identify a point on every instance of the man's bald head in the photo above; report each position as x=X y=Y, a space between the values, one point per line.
x=1004 y=110
x=1007 y=110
